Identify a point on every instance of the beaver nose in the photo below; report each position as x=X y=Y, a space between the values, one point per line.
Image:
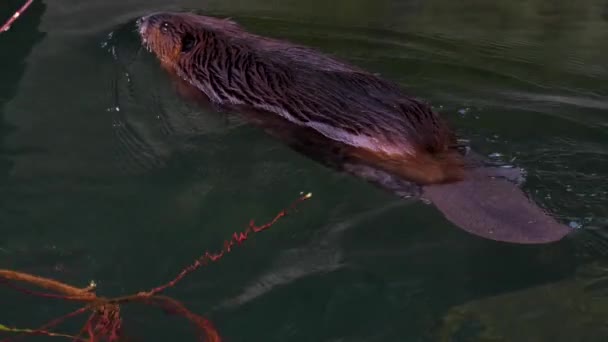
x=142 y=25
x=144 y=22
x=150 y=18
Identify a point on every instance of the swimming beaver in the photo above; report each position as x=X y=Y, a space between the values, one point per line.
x=382 y=131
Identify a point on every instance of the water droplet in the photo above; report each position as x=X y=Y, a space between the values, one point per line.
x=117 y=124
x=463 y=111
x=106 y=42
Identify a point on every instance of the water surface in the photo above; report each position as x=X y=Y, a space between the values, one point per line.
x=106 y=174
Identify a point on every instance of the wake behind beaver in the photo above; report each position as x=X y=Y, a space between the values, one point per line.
x=347 y=118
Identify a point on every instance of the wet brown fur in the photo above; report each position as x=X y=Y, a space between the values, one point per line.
x=237 y=69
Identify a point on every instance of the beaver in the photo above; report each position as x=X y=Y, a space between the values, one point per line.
x=378 y=127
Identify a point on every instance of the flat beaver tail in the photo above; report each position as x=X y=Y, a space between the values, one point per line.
x=489 y=204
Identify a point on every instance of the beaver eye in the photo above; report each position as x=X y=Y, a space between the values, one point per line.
x=164 y=27
x=188 y=42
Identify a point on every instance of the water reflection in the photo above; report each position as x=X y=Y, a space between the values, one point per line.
x=578 y=304
x=21 y=39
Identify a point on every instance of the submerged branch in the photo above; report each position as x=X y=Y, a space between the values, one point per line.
x=7 y=25
x=105 y=321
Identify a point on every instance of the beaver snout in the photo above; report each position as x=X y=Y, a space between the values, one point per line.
x=142 y=25
x=145 y=22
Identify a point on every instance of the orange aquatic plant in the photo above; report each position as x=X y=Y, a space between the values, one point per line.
x=105 y=321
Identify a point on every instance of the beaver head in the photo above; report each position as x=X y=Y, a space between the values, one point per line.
x=173 y=37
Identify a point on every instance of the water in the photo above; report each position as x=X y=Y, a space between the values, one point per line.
x=106 y=175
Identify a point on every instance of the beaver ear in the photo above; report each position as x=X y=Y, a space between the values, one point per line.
x=188 y=42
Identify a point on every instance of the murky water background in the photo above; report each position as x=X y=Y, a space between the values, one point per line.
x=106 y=174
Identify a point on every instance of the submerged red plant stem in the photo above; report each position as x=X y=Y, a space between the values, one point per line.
x=43 y=294
x=204 y=326
x=47 y=333
x=236 y=238
x=46 y=283
x=7 y=25
x=43 y=330
x=105 y=321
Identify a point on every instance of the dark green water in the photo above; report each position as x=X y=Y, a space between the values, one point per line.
x=107 y=175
